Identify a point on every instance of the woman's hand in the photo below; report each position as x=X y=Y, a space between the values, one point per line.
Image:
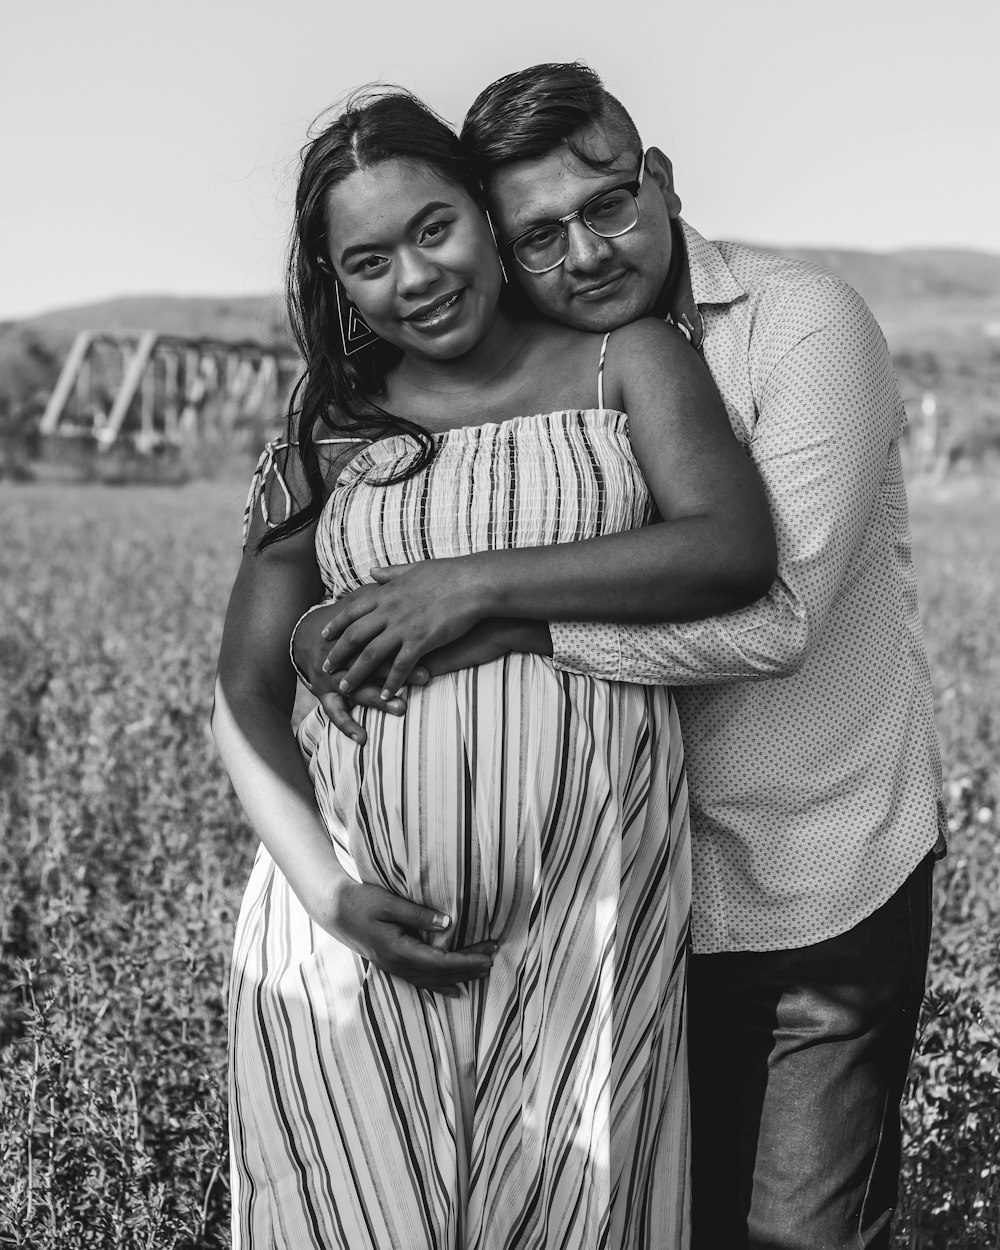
x=411 y=610
x=386 y=930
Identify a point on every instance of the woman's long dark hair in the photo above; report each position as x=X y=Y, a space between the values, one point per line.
x=376 y=124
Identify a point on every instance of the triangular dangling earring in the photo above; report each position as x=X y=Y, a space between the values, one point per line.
x=355 y=334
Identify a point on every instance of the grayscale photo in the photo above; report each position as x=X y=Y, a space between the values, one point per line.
x=499 y=626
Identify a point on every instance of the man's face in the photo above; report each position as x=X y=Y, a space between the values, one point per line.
x=603 y=283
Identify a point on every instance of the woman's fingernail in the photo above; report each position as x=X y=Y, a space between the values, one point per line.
x=441 y=921
x=326 y=666
x=344 y=686
x=385 y=696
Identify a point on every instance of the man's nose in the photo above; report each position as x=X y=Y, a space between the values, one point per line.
x=586 y=251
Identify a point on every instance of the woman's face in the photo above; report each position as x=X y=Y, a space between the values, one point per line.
x=415 y=256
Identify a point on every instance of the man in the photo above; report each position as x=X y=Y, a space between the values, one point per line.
x=808 y=722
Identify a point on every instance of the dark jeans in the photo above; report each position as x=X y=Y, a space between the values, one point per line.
x=798 y=1062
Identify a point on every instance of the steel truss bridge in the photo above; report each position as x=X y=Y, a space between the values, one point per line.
x=159 y=390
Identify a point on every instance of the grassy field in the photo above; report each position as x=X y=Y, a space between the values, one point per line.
x=123 y=858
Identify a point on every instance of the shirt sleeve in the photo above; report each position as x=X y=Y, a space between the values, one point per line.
x=828 y=412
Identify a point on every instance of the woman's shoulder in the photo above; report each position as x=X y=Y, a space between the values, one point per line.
x=555 y=336
x=565 y=348
x=634 y=338
x=646 y=334
x=652 y=349
x=651 y=355
x=334 y=450
x=282 y=472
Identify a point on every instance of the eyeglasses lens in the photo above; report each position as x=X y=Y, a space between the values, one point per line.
x=607 y=215
x=611 y=214
x=542 y=249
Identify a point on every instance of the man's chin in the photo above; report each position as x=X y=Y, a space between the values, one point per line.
x=599 y=316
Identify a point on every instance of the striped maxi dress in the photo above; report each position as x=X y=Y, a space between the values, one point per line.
x=545 y=1106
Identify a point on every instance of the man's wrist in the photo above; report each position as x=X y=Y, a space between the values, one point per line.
x=536 y=637
x=484 y=584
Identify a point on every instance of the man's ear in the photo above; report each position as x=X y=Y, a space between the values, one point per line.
x=659 y=168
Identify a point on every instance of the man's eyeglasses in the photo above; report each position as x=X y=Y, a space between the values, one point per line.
x=608 y=214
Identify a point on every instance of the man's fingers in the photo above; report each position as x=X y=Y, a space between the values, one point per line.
x=347 y=610
x=374 y=656
x=365 y=647
x=369 y=694
x=349 y=641
x=399 y=673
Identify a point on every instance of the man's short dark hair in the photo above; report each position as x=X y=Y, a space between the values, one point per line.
x=533 y=112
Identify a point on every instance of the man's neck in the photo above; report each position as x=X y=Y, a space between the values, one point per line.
x=666 y=302
x=676 y=302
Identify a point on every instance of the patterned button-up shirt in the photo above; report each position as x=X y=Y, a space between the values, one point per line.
x=808 y=721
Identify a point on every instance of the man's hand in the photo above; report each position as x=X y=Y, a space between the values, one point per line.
x=486 y=641
x=489 y=640
x=409 y=611
x=310 y=649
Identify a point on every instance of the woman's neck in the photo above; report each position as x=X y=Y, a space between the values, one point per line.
x=492 y=357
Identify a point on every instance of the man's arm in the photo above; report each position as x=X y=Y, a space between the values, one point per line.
x=486 y=641
x=828 y=414
x=711 y=550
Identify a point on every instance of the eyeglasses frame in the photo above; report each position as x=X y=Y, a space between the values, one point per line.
x=632 y=186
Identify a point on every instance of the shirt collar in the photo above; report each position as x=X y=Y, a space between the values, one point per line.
x=705 y=278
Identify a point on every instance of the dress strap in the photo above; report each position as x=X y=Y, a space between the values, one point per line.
x=267 y=466
x=600 y=370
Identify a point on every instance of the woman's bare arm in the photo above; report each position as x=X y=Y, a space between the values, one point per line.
x=255 y=690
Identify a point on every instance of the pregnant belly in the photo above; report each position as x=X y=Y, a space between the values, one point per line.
x=494 y=781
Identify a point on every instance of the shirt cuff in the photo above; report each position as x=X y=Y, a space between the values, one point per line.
x=291 y=644
x=590 y=649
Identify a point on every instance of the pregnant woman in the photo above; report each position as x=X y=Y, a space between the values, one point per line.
x=521 y=831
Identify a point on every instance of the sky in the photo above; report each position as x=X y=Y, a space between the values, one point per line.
x=151 y=148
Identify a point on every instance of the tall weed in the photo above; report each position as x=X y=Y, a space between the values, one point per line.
x=123 y=858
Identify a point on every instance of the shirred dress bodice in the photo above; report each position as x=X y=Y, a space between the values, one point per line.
x=525 y=482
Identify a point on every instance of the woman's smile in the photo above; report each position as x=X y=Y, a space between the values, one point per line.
x=439 y=314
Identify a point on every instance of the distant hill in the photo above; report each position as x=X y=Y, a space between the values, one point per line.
x=886 y=279
x=940 y=299
x=924 y=299
x=232 y=318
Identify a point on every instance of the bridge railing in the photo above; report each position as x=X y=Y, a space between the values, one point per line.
x=154 y=389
